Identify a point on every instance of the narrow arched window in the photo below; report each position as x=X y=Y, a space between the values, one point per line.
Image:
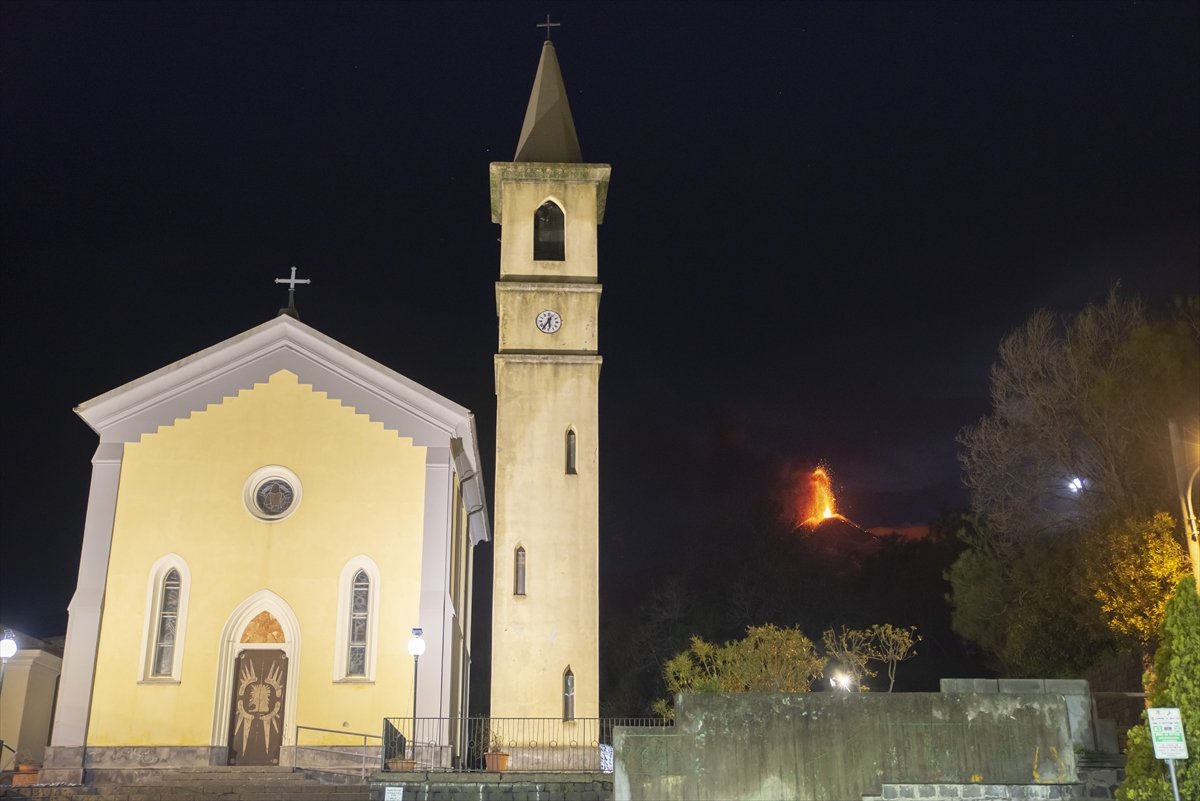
x=570 y=452
x=519 y=572
x=549 y=239
x=360 y=610
x=168 y=625
x=568 y=694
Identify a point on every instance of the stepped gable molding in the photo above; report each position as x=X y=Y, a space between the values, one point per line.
x=284 y=343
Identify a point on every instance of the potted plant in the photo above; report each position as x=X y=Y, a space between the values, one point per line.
x=400 y=765
x=495 y=758
x=26 y=770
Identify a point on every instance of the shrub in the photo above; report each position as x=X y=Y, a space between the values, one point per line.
x=1175 y=682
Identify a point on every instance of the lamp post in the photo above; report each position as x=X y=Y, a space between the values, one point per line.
x=416 y=647
x=8 y=647
x=1185 y=452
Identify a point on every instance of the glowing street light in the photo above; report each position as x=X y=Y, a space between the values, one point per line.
x=1075 y=484
x=8 y=647
x=840 y=681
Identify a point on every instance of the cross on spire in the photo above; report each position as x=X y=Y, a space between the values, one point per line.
x=548 y=25
x=291 y=282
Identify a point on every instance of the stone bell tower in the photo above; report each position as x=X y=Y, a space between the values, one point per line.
x=545 y=629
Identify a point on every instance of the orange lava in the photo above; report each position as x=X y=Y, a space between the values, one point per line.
x=820 y=504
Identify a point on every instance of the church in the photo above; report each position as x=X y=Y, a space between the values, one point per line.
x=269 y=519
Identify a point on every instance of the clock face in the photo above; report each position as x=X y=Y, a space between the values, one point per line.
x=549 y=321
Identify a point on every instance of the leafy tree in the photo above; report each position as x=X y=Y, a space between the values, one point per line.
x=1028 y=607
x=1175 y=683
x=767 y=659
x=1133 y=568
x=770 y=659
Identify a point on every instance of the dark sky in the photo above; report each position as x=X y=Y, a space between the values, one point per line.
x=822 y=220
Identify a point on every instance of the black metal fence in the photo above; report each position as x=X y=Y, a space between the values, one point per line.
x=503 y=744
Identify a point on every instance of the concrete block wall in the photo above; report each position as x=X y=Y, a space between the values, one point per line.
x=824 y=746
x=979 y=792
x=1075 y=692
x=495 y=787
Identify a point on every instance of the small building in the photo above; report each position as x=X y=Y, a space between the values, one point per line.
x=28 y=686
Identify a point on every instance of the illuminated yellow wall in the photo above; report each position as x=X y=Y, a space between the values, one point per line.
x=547 y=384
x=181 y=492
x=554 y=517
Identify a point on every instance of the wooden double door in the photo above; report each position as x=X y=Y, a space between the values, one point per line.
x=256 y=714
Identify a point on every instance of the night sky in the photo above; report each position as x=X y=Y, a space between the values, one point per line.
x=822 y=220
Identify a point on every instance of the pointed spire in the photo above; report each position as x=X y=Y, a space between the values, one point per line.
x=548 y=134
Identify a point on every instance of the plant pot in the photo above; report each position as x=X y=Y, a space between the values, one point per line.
x=402 y=765
x=26 y=774
x=496 y=761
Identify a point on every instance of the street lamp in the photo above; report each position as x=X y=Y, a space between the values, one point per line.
x=8 y=647
x=416 y=647
x=1185 y=452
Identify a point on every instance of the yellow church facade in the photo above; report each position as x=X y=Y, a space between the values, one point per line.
x=268 y=521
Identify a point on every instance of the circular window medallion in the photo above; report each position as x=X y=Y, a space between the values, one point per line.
x=272 y=492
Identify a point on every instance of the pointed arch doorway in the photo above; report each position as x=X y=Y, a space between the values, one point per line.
x=255 y=707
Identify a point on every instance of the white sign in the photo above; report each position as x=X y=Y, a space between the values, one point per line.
x=393 y=794
x=1166 y=730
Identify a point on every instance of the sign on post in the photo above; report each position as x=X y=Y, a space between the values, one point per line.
x=1166 y=731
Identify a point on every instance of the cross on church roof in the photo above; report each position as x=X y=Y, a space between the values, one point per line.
x=548 y=25
x=291 y=282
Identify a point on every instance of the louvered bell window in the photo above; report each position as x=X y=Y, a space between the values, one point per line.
x=549 y=233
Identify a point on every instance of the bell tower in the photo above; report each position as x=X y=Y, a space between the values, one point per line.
x=545 y=607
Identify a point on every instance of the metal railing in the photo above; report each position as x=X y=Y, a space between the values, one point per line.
x=503 y=744
x=346 y=758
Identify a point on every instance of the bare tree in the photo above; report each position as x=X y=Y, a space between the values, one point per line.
x=892 y=645
x=1078 y=409
x=851 y=649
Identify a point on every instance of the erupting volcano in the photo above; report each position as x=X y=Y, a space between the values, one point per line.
x=820 y=505
x=828 y=535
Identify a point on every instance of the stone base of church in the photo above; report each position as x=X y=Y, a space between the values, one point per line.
x=353 y=762
x=553 y=759
x=143 y=763
x=62 y=765
x=124 y=764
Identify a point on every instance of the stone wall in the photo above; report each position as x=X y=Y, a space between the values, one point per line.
x=493 y=787
x=1075 y=692
x=123 y=764
x=840 y=747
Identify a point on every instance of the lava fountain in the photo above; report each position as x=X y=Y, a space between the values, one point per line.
x=820 y=505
